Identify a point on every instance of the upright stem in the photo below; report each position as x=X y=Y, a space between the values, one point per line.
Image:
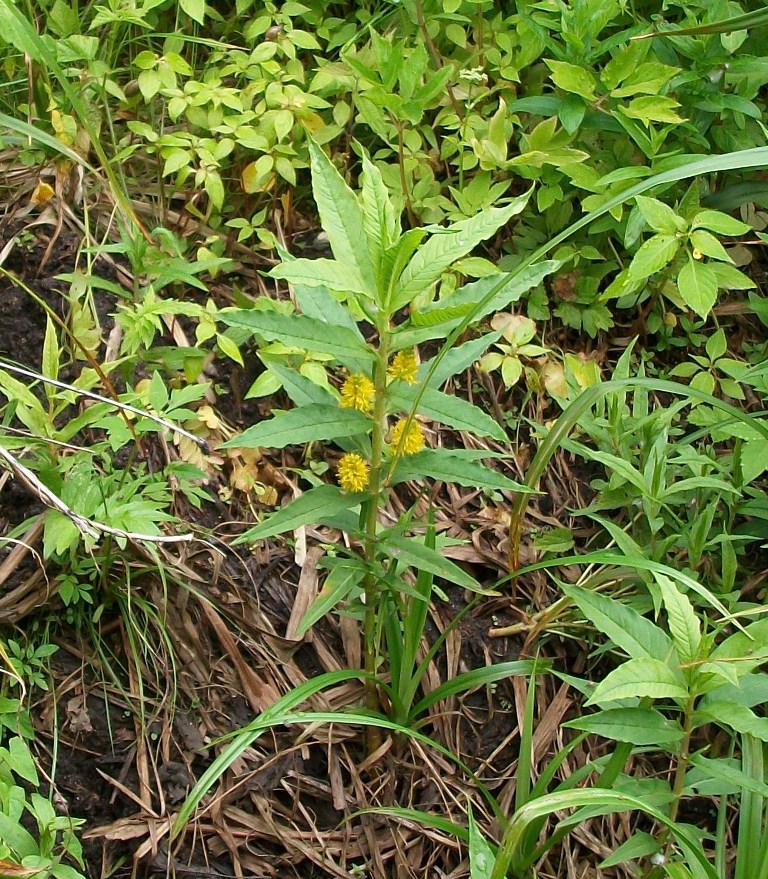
x=370 y=523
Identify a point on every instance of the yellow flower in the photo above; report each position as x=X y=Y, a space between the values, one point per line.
x=358 y=392
x=412 y=441
x=405 y=366
x=353 y=472
x=697 y=254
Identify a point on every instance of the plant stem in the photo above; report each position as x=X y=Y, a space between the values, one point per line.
x=370 y=523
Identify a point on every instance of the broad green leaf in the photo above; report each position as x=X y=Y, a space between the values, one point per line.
x=654 y=255
x=444 y=247
x=638 y=678
x=697 y=284
x=659 y=216
x=307 y=424
x=733 y=716
x=634 y=634
x=717 y=221
x=652 y=109
x=707 y=245
x=195 y=9
x=745 y=650
x=441 y=464
x=320 y=272
x=647 y=79
x=639 y=726
x=341 y=580
x=684 y=625
x=572 y=78
x=452 y=411
x=309 y=508
x=412 y=552
x=300 y=331
x=342 y=219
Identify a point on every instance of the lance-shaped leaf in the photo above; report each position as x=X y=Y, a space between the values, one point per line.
x=306 y=424
x=300 y=331
x=320 y=273
x=629 y=630
x=733 y=716
x=342 y=219
x=413 y=553
x=441 y=464
x=379 y=221
x=443 y=248
x=341 y=580
x=637 y=678
x=467 y=298
x=639 y=726
x=312 y=507
x=453 y=411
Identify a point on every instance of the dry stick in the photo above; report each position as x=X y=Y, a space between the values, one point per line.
x=86 y=526
x=90 y=395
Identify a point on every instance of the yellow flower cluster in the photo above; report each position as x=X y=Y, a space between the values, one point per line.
x=406 y=442
x=352 y=472
x=405 y=366
x=358 y=392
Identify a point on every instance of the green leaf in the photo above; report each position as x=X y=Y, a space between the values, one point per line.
x=652 y=109
x=444 y=247
x=659 y=216
x=723 y=224
x=446 y=409
x=382 y=228
x=301 y=390
x=413 y=553
x=638 y=678
x=572 y=78
x=706 y=243
x=746 y=650
x=697 y=284
x=309 y=508
x=647 y=79
x=341 y=580
x=479 y=677
x=481 y=856
x=638 y=726
x=50 y=356
x=307 y=424
x=342 y=219
x=684 y=625
x=441 y=464
x=473 y=295
x=655 y=254
x=639 y=845
x=733 y=716
x=320 y=272
x=726 y=771
x=300 y=331
x=195 y=9
x=637 y=636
